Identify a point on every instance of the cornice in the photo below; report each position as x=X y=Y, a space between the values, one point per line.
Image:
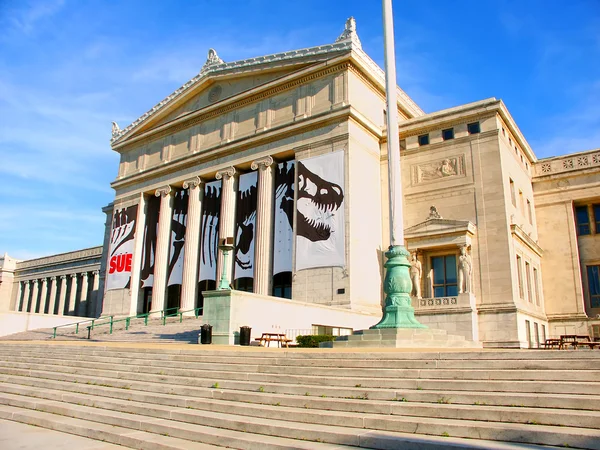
x=60 y=258
x=525 y=239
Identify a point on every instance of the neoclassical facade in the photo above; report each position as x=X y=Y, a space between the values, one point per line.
x=286 y=155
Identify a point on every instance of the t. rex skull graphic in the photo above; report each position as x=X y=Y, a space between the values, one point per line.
x=318 y=201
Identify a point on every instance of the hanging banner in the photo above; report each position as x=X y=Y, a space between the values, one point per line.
x=120 y=250
x=209 y=231
x=284 y=217
x=178 y=226
x=245 y=225
x=320 y=226
x=149 y=249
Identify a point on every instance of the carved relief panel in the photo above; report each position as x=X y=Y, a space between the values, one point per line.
x=450 y=167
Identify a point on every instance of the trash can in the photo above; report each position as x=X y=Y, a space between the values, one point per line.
x=245 y=335
x=206 y=334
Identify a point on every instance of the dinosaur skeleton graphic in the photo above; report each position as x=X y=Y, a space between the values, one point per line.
x=245 y=224
x=209 y=233
x=284 y=217
x=320 y=219
x=178 y=227
x=121 y=248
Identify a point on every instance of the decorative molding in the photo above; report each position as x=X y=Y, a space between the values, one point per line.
x=62 y=258
x=433 y=213
x=163 y=191
x=435 y=171
x=115 y=129
x=568 y=163
x=228 y=172
x=262 y=163
x=525 y=239
x=192 y=183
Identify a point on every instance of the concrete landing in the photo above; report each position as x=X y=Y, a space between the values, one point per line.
x=401 y=338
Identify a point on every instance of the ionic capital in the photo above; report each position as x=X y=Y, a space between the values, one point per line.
x=192 y=183
x=44 y=280
x=52 y=278
x=63 y=277
x=96 y=273
x=163 y=191
x=34 y=282
x=262 y=163
x=226 y=173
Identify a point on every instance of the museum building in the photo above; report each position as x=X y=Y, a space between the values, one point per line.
x=286 y=154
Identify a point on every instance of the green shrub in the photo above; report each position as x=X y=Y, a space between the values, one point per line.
x=313 y=340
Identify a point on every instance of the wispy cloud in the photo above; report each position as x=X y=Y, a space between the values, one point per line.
x=28 y=15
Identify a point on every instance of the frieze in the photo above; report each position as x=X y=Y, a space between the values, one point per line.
x=62 y=258
x=453 y=166
x=568 y=163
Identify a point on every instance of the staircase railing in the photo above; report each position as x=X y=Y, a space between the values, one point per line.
x=110 y=321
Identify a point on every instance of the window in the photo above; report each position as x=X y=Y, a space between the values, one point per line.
x=282 y=285
x=245 y=284
x=402 y=144
x=536 y=334
x=445 y=282
x=596 y=209
x=536 y=286
x=582 y=218
x=528 y=279
x=543 y=333
x=512 y=192
x=474 y=128
x=520 y=275
x=593 y=273
x=448 y=134
x=503 y=132
x=424 y=139
x=521 y=203
x=510 y=142
x=529 y=214
x=528 y=331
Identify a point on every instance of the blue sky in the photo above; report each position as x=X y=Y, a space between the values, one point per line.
x=70 y=67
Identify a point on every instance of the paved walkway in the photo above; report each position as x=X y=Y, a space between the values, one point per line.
x=19 y=436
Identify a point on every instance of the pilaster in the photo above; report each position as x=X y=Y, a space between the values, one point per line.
x=189 y=285
x=52 y=299
x=264 y=223
x=227 y=219
x=163 y=239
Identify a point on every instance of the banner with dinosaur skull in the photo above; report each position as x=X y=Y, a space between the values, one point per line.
x=149 y=249
x=320 y=225
x=245 y=226
x=178 y=226
x=209 y=231
x=120 y=250
x=284 y=217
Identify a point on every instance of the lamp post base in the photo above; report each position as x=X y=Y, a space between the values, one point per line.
x=398 y=311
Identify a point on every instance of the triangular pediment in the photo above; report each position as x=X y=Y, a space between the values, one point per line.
x=432 y=227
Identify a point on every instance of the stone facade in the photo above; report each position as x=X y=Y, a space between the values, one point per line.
x=493 y=228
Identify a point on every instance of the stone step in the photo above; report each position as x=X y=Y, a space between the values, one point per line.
x=442 y=408
x=345 y=430
x=207 y=377
x=399 y=373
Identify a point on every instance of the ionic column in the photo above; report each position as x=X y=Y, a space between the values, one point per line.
x=163 y=241
x=41 y=308
x=24 y=304
x=83 y=298
x=18 y=297
x=227 y=216
x=72 y=294
x=63 y=294
x=263 y=250
x=95 y=297
x=34 y=296
x=189 y=285
x=52 y=299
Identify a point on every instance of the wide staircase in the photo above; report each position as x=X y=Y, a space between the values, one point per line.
x=201 y=397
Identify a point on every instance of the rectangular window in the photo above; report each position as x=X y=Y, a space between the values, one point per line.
x=543 y=333
x=593 y=273
x=448 y=134
x=521 y=203
x=445 y=282
x=512 y=192
x=528 y=279
x=520 y=275
x=474 y=128
x=596 y=209
x=510 y=142
x=402 y=144
x=529 y=213
x=536 y=334
x=424 y=139
x=528 y=331
x=582 y=218
x=536 y=287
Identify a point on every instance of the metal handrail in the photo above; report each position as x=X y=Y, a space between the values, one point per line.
x=169 y=312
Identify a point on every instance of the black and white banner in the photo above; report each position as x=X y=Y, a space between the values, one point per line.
x=149 y=249
x=284 y=217
x=320 y=226
x=178 y=226
x=120 y=250
x=245 y=226
x=209 y=231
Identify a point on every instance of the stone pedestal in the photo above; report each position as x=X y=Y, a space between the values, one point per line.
x=401 y=338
